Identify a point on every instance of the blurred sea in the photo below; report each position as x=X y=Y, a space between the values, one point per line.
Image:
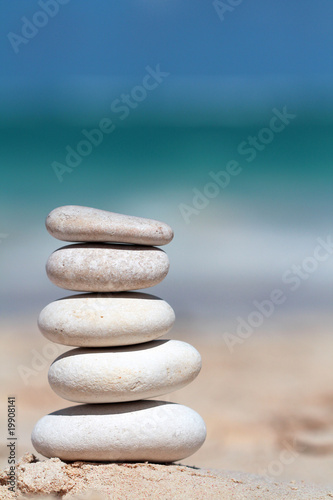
x=236 y=249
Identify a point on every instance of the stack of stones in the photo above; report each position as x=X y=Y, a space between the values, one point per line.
x=117 y=362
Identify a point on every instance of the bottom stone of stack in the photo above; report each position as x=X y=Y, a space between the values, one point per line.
x=139 y=431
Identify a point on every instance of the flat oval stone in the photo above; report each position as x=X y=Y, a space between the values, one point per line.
x=118 y=374
x=75 y=223
x=101 y=320
x=154 y=431
x=107 y=268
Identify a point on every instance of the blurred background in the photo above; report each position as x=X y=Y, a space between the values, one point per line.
x=217 y=77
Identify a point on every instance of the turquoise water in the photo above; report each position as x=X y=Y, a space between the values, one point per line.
x=232 y=252
x=130 y=161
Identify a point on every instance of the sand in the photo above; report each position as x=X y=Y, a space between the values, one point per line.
x=268 y=406
x=52 y=477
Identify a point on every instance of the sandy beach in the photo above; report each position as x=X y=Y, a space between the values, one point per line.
x=92 y=481
x=268 y=406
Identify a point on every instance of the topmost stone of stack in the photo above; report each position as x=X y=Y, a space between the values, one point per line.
x=75 y=223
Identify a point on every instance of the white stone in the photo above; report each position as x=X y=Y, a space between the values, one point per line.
x=107 y=268
x=118 y=374
x=75 y=223
x=153 y=431
x=110 y=319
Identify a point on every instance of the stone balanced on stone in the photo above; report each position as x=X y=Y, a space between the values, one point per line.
x=117 y=362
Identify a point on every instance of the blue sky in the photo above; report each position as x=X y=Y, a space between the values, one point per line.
x=105 y=38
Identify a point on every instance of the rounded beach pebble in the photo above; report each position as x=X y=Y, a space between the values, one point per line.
x=153 y=431
x=107 y=268
x=75 y=223
x=101 y=320
x=119 y=374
